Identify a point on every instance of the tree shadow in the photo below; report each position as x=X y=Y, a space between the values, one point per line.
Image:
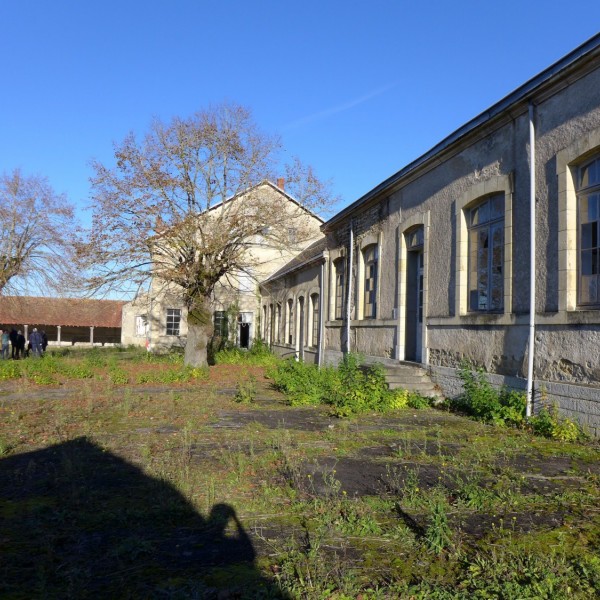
x=77 y=521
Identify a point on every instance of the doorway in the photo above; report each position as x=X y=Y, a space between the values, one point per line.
x=414 y=306
x=245 y=329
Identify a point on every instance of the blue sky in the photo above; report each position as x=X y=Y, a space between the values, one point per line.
x=357 y=89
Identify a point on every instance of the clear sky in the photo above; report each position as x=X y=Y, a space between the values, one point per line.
x=357 y=89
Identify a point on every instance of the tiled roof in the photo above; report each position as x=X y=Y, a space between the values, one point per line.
x=74 y=312
x=308 y=255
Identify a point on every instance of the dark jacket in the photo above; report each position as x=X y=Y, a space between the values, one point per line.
x=35 y=339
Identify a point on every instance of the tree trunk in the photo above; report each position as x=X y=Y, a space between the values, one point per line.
x=200 y=329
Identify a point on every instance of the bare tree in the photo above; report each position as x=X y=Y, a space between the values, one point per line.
x=184 y=207
x=37 y=233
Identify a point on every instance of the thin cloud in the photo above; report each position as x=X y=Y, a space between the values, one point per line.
x=338 y=109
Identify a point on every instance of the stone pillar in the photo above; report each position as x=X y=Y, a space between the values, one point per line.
x=58 y=334
x=26 y=332
x=92 y=335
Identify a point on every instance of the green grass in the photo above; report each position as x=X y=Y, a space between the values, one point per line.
x=111 y=489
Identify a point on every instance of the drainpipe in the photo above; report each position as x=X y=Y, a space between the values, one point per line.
x=349 y=299
x=532 y=191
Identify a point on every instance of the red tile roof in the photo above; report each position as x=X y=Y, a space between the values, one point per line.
x=74 y=312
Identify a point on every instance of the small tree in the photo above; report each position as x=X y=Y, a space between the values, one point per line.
x=38 y=230
x=185 y=206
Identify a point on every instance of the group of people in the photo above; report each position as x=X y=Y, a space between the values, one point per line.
x=38 y=341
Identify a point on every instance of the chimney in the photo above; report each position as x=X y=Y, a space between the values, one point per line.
x=281 y=183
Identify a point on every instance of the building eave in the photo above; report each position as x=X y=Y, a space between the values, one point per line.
x=555 y=78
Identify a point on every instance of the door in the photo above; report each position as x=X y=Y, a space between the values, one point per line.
x=419 y=319
x=414 y=306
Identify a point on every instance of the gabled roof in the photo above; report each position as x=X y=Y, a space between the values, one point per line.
x=309 y=255
x=74 y=312
x=277 y=189
x=553 y=79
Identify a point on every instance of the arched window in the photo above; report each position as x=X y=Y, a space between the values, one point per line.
x=588 y=238
x=264 y=323
x=314 y=339
x=290 y=322
x=485 y=224
x=278 y=323
x=339 y=267
x=370 y=258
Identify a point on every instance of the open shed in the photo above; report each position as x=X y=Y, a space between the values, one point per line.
x=66 y=321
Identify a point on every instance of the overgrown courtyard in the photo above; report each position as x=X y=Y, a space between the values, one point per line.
x=128 y=476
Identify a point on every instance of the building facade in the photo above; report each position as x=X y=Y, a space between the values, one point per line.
x=488 y=242
x=158 y=319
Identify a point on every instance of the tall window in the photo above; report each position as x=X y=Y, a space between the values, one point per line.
x=246 y=281
x=588 y=201
x=278 y=324
x=221 y=324
x=290 y=321
x=141 y=325
x=370 y=291
x=340 y=282
x=485 y=223
x=173 y=321
x=314 y=340
x=265 y=326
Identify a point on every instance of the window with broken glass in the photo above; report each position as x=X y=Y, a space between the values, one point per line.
x=485 y=222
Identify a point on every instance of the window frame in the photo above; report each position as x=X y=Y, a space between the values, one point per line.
x=173 y=316
x=290 y=325
x=491 y=225
x=278 y=312
x=220 y=324
x=141 y=319
x=581 y=150
x=315 y=312
x=590 y=190
x=370 y=280
x=471 y=196
x=339 y=289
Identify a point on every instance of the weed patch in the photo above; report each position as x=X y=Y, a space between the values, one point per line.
x=504 y=407
x=349 y=389
x=259 y=355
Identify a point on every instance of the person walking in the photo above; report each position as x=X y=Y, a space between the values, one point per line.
x=35 y=340
x=5 y=339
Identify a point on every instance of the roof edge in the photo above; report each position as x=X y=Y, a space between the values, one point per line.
x=522 y=93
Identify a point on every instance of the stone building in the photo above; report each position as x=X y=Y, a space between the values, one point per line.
x=443 y=261
x=158 y=319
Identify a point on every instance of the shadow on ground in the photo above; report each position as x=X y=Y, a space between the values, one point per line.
x=79 y=522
